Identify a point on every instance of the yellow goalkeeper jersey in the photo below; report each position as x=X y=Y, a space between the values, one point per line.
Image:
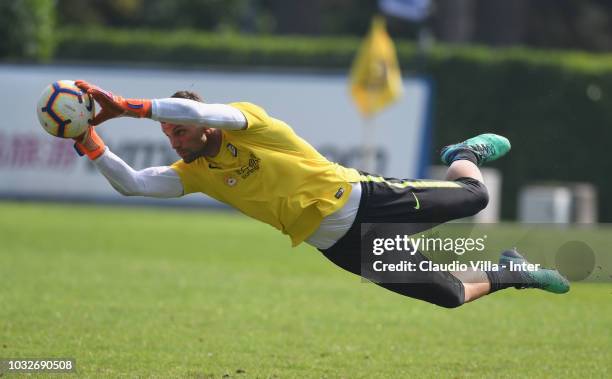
x=271 y=174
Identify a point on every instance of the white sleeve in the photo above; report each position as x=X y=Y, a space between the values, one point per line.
x=161 y=182
x=191 y=112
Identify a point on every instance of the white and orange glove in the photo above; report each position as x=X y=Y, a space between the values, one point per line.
x=112 y=106
x=90 y=144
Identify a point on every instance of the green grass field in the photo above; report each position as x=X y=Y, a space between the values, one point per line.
x=141 y=292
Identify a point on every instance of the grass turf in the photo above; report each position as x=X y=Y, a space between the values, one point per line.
x=171 y=293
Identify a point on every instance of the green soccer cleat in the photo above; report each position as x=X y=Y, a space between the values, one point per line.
x=543 y=278
x=487 y=147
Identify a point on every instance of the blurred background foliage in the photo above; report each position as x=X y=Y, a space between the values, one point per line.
x=27 y=29
x=26 y=26
x=575 y=24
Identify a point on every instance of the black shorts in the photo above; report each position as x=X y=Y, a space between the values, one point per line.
x=424 y=204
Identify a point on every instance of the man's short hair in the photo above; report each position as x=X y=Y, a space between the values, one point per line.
x=187 y=95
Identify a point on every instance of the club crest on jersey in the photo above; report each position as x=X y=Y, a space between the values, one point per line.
x=230 y=181
x=232 y=149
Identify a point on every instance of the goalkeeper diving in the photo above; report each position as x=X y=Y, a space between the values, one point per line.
x=238 y=154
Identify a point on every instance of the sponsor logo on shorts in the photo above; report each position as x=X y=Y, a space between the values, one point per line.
x=418 y=203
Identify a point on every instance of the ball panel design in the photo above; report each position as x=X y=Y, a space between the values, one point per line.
x=63 y=110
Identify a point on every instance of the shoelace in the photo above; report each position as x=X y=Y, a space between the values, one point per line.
x=484 y=149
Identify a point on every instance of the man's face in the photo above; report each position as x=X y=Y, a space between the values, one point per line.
x=187 y=140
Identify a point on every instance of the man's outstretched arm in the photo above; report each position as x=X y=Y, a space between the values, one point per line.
x=191 y=112
x=170 y=110
x=162 y=182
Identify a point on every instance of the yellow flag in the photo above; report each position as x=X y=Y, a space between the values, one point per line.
x=376 y=80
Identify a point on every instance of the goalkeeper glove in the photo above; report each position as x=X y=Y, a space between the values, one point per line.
x=114 y=106
x=90 y=144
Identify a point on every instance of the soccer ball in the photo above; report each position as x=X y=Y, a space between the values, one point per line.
x=64 y=109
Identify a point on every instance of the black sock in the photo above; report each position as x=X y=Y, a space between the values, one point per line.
x=504 y=279
x=465 y=154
